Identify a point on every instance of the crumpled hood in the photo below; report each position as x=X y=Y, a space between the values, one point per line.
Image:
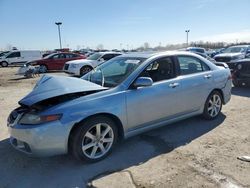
x=228 y=54
x=51 y=86
x=79 y=61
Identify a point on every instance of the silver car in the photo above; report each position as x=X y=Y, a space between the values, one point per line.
x=125 y=96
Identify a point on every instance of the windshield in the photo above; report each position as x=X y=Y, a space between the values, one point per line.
x=114 y=71
x=95 y=56
x=238 y=49
x=3 y=54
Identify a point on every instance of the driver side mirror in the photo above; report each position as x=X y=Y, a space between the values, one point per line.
x=143 y=82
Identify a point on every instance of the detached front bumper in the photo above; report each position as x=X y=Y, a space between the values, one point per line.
x=41 y=140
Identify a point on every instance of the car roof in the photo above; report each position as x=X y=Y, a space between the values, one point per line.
x=147 y=55
x=109 y=52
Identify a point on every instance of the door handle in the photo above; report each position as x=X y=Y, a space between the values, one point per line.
x=174 y=85
x=208 y=76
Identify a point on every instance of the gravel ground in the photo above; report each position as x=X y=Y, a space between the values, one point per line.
x=191 y=153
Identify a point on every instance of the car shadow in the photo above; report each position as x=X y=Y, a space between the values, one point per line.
x=241 y=91
x=20 y=78
x=20 y=170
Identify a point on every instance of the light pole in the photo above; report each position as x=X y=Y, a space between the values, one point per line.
x=187 y=31
x=59 y=32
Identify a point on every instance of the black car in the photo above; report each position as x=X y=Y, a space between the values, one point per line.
x=241 y=72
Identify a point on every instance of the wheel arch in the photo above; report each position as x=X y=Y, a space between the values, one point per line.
x=4 y=61
x=87 y=65
x=111 y=116
x=221 y=93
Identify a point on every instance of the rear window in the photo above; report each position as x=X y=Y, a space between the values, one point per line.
x=191 y=65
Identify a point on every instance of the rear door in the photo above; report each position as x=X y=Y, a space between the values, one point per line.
x=196 y=81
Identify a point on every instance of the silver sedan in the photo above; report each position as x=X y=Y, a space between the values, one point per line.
x=123 y=97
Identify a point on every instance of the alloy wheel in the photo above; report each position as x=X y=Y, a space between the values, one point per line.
x=214 y=105
x=85 y=70
x=98 y=140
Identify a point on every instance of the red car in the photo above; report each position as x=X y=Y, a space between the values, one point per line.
x=56 y=61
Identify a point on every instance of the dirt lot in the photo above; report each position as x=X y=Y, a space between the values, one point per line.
x=191 y=153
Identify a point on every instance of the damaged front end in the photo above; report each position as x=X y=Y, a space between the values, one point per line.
x=48 y=92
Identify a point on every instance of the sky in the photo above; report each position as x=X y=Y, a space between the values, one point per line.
x=30 y=24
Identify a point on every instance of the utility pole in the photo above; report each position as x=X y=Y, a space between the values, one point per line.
x=187 y=31
x=59 y=33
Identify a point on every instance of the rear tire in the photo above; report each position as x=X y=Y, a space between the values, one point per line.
x=85 y=69
x=213 y=106
x=4 y=64
x=94 y=139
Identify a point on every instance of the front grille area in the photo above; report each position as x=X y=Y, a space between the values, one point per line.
x=231 y=65
x=66 y=66
x=222 y=59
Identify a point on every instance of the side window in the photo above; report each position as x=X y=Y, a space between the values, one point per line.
x=62 y=56
x=190 y=65
x=68 y=56
x=161 y=69
x=56 y=56
x=107 y=57
x=14 y=54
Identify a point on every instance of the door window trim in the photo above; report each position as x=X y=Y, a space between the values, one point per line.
x=175 y=72
x=178 y=68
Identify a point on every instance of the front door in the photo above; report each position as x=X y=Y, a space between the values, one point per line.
x=14 y=57
x=148 y=105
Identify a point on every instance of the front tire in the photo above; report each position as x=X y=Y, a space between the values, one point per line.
x=94 y=139
x=4 y=64
x=213 y=106
x=85 y=69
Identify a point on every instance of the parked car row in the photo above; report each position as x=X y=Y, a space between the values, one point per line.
x=19 y=57
x=233 y=53
x=72 y=63
x=55 y=61
x=83 y=66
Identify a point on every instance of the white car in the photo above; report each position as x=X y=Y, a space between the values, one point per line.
x=83 y=66
x=19 y=57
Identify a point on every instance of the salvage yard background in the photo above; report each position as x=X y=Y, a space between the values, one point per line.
x=191 y=153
